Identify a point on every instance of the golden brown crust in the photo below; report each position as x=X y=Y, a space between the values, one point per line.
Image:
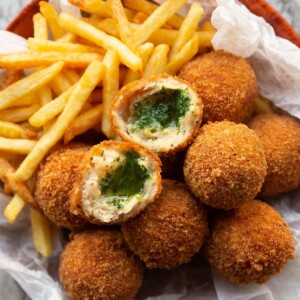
x=127 y=96
x=225 y=83
x=97 y=265
x=280 y=136
x=54 y=181
x=251 y=243
x=170 y=230
x=76 y=193
x=225 y=165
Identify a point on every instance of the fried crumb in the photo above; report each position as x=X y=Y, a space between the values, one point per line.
x=97 y=265
x=250 y=243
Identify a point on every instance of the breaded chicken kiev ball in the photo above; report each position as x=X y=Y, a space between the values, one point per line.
x=249 y=244
x=55 y=178
x=225 y=83
x=225 y=165
x=162 y=113
x=170 y=230
x=116 y=181
x=96 y=264
x=280 y=136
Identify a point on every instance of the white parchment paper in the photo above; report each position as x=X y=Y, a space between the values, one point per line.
x=276 y=61
x=277 y=66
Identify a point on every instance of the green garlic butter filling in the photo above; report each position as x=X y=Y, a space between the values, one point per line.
x=126 y=181
x=161 y=109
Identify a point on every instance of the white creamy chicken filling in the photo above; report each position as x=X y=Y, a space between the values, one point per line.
x=109 y=207
x=162 y=138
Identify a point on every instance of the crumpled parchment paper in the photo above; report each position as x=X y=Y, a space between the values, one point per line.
x=277 y=66
x=276 y=61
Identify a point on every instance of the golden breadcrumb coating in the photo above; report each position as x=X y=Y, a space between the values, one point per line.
x=55 y=178
x=96 y=264
x=225 y=165
x=250 y=243
x=170 y=230
x=225 y=83
x=280 y=136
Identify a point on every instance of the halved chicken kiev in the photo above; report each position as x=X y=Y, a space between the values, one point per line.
x=162 y=113
x=116 y=181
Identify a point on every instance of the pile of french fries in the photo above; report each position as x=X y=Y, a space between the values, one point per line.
x=74 y=77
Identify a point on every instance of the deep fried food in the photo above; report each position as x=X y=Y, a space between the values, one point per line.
x=225 y=84
x=280 y=136
x=116 y=180
x=96 y=264
x=250 y=243
x=162 y=113
x=225 y=165
x=54 y=181
x=170 y=230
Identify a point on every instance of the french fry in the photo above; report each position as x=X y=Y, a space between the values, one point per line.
x=14 y=208
x=205 y=38
x=145 y=51
x=207 y=26
x=71 y=75
x=19 y=114
x=27 y=125
x=40 y=30
x=52 y=46
x=59 y=84
x=51 y=16
x=52 y=109
x=7 y=176
x=14 y=131
x=81 y=28
x=158 y=18
x=110 y=89
x=45 y=95
x=158 y=61
x=67 y=38
x=148 y=8
x=122 y=23
x=41 y=233
x=44 y=59
x=28 y=85
x=82 y=91
x=188 y=28
x=98 y=7
x=107 y=25
x=87 y=106
x=26 y=100
x=84 y=122
x=139 y=17
x=160 y=36
x=186 y=53
x=20 y=146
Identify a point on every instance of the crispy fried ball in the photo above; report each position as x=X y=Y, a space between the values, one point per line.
x=250 y=243
x=225 y=165
x=54 y=181
x=225 y=83
x=280 y=136
x=170 y=230
x=96 y=264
